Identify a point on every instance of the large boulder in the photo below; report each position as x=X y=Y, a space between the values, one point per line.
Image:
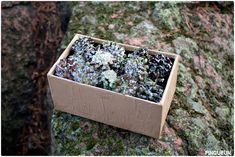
x=31 y=34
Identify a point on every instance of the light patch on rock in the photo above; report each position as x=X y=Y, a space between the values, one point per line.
x=89 y=20
x=167 y=15
x=145 y=27
x=197 y=107
x=186 y=47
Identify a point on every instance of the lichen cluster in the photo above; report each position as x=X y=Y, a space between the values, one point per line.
x=109 y=66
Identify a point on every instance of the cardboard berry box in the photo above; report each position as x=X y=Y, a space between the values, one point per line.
x=112 y=108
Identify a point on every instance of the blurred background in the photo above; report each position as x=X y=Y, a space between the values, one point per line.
x=200 y=119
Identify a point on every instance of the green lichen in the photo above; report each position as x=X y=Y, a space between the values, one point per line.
x=200 y=115
x=168 y=15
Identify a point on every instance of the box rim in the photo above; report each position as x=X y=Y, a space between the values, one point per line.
x=66 y=52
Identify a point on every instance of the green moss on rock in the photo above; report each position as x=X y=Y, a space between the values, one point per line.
x=201 y=114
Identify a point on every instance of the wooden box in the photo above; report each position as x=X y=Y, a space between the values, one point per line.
x=108 y=107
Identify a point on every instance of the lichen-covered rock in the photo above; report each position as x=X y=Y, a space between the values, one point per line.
x=185 y=47
x=195 y=106
x=167 y=15
x=222 y=112
x=87 y=19
x=144 y=28
x=201 y=114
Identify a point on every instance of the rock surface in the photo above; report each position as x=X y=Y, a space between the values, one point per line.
x=201 y=115
x=31 y=34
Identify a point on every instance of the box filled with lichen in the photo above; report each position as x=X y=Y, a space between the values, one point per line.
x=116 y=84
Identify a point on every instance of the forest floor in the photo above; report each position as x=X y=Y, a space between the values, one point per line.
x=201 y=115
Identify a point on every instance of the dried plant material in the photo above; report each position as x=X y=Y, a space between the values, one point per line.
x=108 y=66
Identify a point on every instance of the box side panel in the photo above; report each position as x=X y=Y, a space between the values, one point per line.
x=62 y=97
x=169 y=92
x=107 y=107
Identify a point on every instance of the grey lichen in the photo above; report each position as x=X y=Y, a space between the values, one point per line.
x=127 y=86
x=150 y=91
x=108 y=79
x=81 y=45
x=109 y=66
x=114 y=49
x=102 y=57
x=159 y=66
x=110 y=75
